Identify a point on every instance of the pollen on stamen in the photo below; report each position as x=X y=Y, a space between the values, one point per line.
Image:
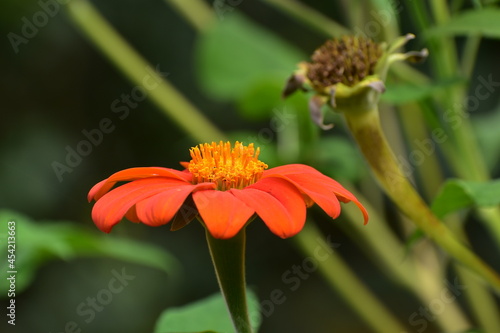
x=225 y=166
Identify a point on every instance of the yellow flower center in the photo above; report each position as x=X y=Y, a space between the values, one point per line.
x=225 y=166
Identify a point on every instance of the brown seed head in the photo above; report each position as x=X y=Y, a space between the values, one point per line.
x=347 y=60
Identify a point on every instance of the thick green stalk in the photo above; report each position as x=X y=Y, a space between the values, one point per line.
x=228 y=258
x=140 y=72
x=346 y=283
x=365 y=126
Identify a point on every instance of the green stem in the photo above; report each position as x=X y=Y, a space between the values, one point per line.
x=445 y=54
x=345 y=281
x=385 y=13
x=471 y=49
x=365 y=126
x=140 y=72
x=429 y=171
x=313 y=18
x=228 y=258
x=196 y=12
x=482 y=303
x=446 y=66
x=471 y=164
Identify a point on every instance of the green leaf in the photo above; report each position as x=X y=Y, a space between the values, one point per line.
x=236 y=53
x=458 y=194
x=260 y=98
x=404 y=93
x=40 y=242
x=472 y=22
x=209 y=313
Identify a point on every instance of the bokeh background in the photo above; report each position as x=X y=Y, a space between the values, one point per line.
x=58 y=84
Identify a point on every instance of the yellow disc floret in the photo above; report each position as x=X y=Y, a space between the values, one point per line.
x=225 y=166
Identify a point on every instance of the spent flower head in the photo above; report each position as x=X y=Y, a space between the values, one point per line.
x=347 y=73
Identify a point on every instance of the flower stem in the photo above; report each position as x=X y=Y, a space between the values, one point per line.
x=365 y=126
x=228 y=258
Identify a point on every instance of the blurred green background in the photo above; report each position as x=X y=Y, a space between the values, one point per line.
x=58 y=85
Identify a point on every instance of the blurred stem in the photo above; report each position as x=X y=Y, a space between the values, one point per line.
x=311 y=17
x=409 y=74
x=480 y=300
x=228 y=258
x=140 y=72
x=446 y=53
x=384 y=12
x=491 y=215
x=471 y=163
x=390 y=253
x=352 y=11
x=416 y=134
x=446 y=67
x=345 y=282
x=396 y=261
x=419 y=14
x=365 y=126
x=482 y=303
x=471 y=49
x=196 y=12
x=464 y=156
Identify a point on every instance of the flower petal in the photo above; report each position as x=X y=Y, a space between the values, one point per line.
x=310 y=184
x=223 y=214
x=184 y=215
x=290 y=169
x=160 y=208
x=317 y=192
x=131 y=215
x=317 y=186
x=105 y=185
x=278 y=203
x=111 y=208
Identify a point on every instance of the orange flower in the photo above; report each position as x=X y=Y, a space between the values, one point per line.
x=225 y=186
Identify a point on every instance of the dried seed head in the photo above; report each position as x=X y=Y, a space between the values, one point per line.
x=347 y=60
